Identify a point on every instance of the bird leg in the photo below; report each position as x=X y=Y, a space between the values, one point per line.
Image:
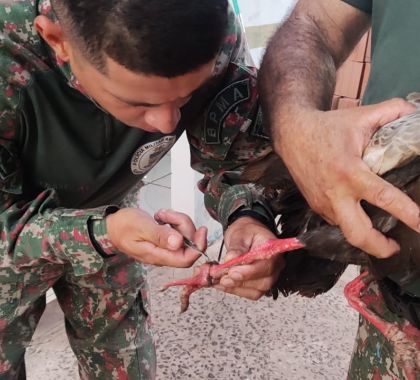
x=404 y=337
x=207 y=274
x=201 y=280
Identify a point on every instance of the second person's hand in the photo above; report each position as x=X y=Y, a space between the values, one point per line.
x=250 y=281
x=323 y=151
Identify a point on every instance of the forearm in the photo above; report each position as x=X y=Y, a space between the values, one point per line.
x=298 y=70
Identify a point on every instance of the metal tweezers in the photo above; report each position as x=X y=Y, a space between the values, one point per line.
x=190 y=244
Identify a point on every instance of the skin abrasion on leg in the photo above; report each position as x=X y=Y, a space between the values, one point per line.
x=206 y=274
x=404 y=338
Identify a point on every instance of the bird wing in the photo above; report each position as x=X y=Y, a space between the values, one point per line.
x=396 y=143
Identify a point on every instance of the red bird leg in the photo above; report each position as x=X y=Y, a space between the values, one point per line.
x=352 y=292
x=185 y=296
x=201 y=279
x=404 y=339
x=207 y=272
x=263 y=252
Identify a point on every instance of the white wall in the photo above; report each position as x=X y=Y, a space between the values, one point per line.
x=185 y=196
x=263 y=13
x=183 y=187
x=260 y=12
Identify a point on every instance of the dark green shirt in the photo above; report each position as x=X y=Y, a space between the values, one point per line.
x=395 y=48
x=395 y=70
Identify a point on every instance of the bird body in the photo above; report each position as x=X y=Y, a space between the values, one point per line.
x=320 y=254
x=396 y=143
x=393 y=153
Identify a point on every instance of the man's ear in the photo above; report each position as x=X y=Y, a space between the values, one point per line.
x=53 y=35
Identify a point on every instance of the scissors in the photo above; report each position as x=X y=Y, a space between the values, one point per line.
x=190 y=244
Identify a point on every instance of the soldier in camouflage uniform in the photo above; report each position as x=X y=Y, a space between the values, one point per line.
x=92 y=97
x=304 y=54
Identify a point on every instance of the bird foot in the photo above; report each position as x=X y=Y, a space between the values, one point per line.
x=208 y=273
x=202 y=279
x=404 y=337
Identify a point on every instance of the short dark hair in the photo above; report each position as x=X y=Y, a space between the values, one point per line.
x=155 y=37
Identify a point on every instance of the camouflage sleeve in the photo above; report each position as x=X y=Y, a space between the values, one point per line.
x=33 y=227
x=36 y=228
x=230 y=133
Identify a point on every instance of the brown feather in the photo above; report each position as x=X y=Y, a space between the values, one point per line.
x=316 y=268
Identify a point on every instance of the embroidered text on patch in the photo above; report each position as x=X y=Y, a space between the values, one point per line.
x=148 y=155
x=220 y=107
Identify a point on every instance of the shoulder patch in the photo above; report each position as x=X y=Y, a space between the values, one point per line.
x=149 y=154
x=220 y=107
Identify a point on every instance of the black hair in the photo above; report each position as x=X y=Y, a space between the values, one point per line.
x=155 y=37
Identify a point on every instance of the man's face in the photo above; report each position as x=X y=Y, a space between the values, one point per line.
x=150 y=103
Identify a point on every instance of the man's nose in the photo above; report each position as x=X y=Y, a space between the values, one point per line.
x=164 y=118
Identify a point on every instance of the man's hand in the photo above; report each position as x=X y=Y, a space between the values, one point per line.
x=137 y=234
x=323 y=152
x=249 y=281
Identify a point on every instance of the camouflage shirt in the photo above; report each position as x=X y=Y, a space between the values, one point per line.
x=64 y=160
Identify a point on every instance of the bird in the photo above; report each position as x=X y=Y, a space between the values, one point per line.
x=393 y=153
x=316 y=267
x=317 y=253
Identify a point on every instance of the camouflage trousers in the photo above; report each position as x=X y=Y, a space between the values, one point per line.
x=106 y=316
x=374 y=355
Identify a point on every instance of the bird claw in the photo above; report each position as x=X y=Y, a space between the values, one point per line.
x=191 y=284
x=209 y=272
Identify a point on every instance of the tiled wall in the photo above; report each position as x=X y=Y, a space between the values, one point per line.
x=353 y=75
